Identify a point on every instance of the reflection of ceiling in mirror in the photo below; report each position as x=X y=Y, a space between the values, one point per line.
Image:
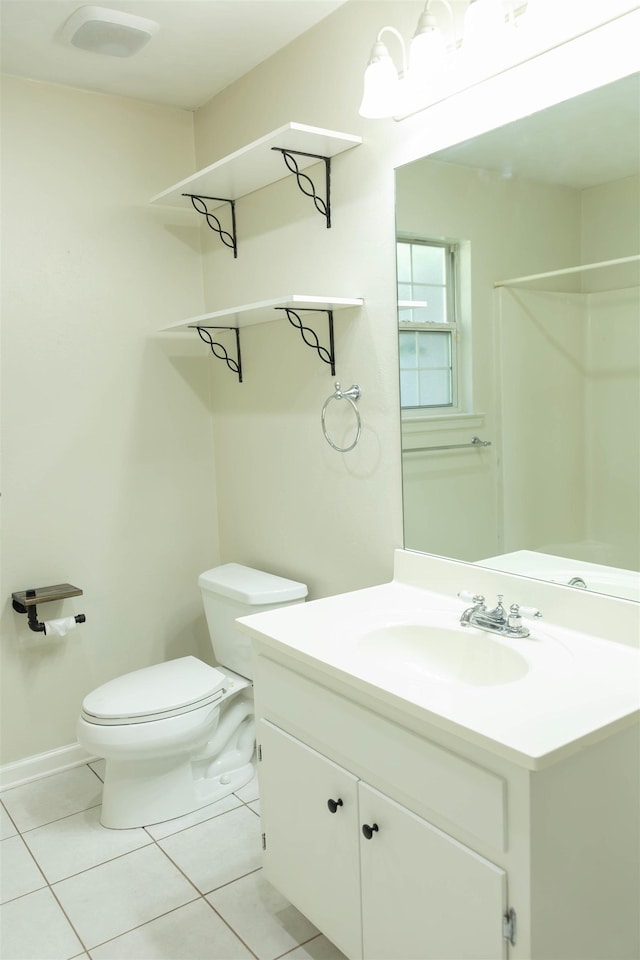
x=602 y=129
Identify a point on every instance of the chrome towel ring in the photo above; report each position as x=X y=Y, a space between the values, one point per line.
x=351 y=395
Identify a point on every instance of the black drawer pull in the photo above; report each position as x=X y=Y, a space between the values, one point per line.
x=369 y=830
x=334 y=804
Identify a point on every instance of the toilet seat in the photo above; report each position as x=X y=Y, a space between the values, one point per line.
x=154 y=693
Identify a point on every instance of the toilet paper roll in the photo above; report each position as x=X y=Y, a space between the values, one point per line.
x=59 y=627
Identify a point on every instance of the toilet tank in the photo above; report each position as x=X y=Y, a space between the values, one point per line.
x=233 y=590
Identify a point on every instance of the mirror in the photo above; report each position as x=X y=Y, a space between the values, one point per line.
x=540 y=340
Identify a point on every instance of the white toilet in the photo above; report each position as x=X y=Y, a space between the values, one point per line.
x=181 y=734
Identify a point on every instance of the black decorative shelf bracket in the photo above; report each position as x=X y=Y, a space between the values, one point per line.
x=326 y=355
x=322 y=206
x=199 y=205
x=219 y=351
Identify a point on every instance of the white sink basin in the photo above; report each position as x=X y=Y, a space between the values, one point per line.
x=438 y=653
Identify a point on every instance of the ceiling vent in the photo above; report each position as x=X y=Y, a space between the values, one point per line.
x=111 y=32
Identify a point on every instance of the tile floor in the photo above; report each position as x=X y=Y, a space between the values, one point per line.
x=187 y=889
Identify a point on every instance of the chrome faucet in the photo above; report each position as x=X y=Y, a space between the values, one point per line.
x=496 y=620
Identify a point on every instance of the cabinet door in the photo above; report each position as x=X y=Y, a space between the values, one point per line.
x=311 y=854
x=424 y=895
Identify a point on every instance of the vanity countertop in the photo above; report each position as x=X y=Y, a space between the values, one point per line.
x=577 y=688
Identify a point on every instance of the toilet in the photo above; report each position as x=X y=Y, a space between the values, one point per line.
x=181 y=734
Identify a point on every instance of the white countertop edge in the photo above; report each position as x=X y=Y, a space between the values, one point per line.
x=394 y=707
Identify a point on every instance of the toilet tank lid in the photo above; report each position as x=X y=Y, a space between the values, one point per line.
x=250 y=586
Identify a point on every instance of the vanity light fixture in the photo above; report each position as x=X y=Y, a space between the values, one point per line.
x=435 y=64
x=382 y=90
x=485 y=35
x=484 y=21
x=386 y=88
x=428 y=53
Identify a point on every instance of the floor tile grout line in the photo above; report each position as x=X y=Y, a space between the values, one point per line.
x=9 y=787
x=151 y=841
x=283 y=956
x=48 y=823
x=168 y=913
x=14 y=824
x=45 y=882
x=228 y=883
x=93 y=866
x=197 y=823
x=203 y=893
x=69 y=921
x=95 y=772
x=228 y=925
x=92 y=806
x=139 y=926
x=47 y=886
x=18 y=786
x=200 y=896
x=179 y=869
x=112 y=860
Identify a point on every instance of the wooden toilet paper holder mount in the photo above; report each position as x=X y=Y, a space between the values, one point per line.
x=24 y=601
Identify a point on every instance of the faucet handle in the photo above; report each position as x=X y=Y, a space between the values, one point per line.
x=531 y=613
x=515 y=616
x=468 y=596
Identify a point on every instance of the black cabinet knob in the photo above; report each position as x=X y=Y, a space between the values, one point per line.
x=369 y=830
x=334 y=804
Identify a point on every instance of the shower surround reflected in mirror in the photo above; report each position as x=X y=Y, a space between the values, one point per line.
x=545 y=358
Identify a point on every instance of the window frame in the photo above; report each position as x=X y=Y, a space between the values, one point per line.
x=452 y=326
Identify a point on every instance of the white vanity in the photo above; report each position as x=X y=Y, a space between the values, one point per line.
x=434 y=793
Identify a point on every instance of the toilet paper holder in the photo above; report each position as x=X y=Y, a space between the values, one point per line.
x=24 y=601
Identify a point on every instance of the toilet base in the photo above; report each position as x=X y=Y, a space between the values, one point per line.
x=138 y=793
x=210 y=790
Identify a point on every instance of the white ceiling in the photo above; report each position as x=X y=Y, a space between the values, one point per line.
x=201 y=47
x=591 y=139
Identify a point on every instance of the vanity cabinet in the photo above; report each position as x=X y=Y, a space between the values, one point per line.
x=378 y=880
x=476 y=856
x=310 y=854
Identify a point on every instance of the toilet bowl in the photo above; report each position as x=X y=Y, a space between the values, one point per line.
x=181 y=734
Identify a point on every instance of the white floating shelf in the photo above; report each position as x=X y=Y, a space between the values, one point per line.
x=263 y=311
x=257 y=164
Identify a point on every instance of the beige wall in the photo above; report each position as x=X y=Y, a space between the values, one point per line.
x=288 y=501
x=544 y=345
x=107 y=447
x=611 y=228
x=571 y=437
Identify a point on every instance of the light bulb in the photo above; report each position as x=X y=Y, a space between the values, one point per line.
x=484 y=40
x=428 y=50
x=484 y=25
x=381 y=84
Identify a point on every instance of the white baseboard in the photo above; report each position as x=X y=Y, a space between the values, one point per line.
x=43 y=764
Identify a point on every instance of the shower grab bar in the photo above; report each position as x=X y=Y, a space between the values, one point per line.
x=474 y=442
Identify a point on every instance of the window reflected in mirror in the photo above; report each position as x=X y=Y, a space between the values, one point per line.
x=427 y=323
